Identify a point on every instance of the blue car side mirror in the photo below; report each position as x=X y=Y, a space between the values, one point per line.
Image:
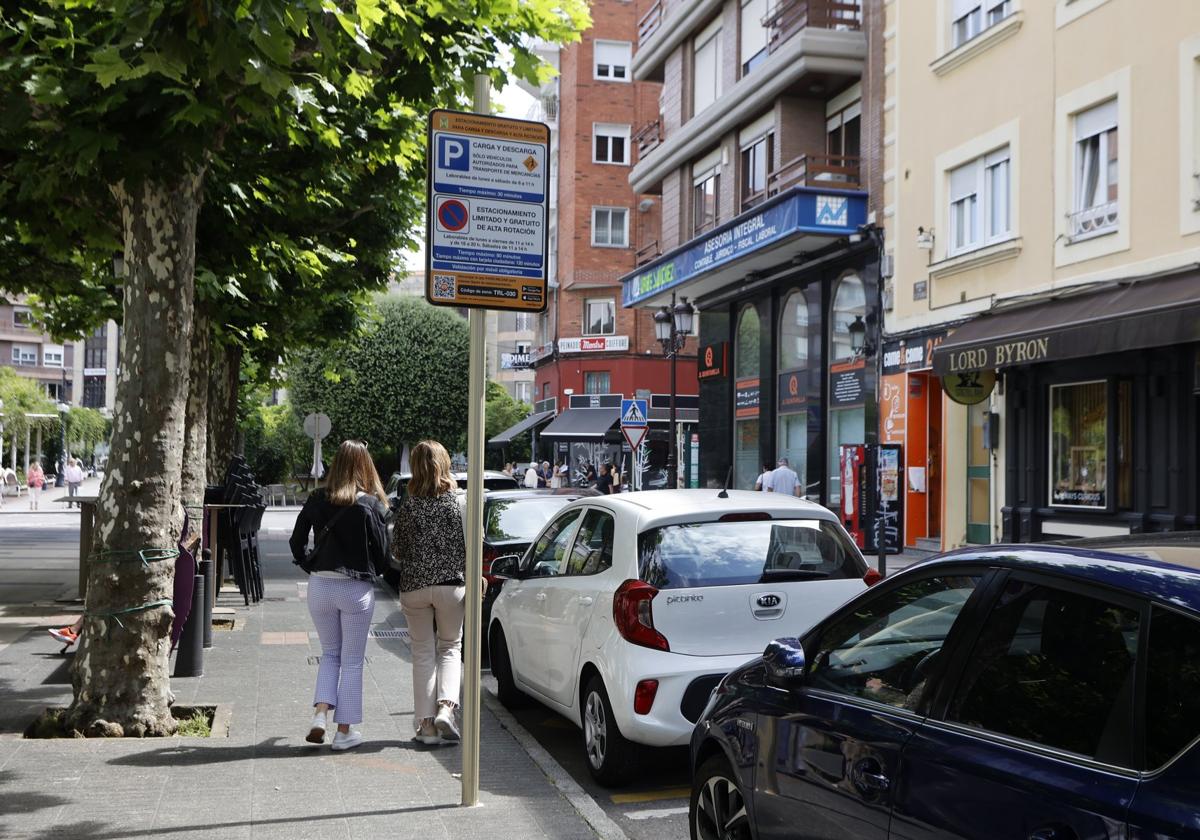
x=784 y=659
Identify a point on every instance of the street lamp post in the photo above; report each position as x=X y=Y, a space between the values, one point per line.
x=672 y=326
x=63 y=408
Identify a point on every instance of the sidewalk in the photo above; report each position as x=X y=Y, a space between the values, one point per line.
x=50 y=495
x=263 y=781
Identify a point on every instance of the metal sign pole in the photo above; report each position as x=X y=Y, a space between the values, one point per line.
x=476 y=404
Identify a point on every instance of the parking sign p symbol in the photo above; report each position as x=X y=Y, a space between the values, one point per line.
x=453 y=154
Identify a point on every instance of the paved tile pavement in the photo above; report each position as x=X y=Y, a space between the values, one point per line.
x=262 y=781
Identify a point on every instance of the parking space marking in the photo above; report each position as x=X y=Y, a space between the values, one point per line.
x=655 y=813
x=651 y=796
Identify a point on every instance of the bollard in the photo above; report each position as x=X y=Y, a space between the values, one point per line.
x=206 y=570
x=189 y=662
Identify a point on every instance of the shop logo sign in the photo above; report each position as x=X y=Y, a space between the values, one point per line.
x=832 y=211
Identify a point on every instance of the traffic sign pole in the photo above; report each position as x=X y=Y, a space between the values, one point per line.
x=476 y=406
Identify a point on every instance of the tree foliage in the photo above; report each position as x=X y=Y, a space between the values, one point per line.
x=23 y=397
x=276 y=446
x=401 y=381
x=503 y=411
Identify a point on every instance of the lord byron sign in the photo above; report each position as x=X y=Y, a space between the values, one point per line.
x=992 y=355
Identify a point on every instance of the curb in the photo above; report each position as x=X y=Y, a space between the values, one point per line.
x=580 y=800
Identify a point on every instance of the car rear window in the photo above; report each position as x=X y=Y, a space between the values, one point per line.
x=734 y=553
x=520 y=519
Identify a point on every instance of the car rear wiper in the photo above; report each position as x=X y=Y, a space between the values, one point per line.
x=770 y=575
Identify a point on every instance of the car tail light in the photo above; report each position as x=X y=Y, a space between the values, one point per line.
x=745 y=517
x=489 y=554
x=643 y=696
x=633 y=615
x=872 y=577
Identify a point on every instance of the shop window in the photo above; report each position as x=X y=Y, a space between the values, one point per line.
x=756 y=170
x=1096 y=171
x=596 y=382
x=979 y=202
x=793 y=332
x=599 y=316
x=93 y=392
x=610 y=144
x=1125 y=445
x=754 y=34
x=610 y=227
x=747 y=345
x=706 y=68
x=971 y=17
x=849 y=303
x=1079 y=430
x=612 y=60
x=24 y=354
x=705 y=192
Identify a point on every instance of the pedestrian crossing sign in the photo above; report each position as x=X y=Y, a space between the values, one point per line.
x=633 y=413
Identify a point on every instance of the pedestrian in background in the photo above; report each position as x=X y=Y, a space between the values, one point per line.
x=430 y=553
x=764 y=478
x=73 y=475
x=347 y=516
x=784 y=480
x=35 y=480
x=509 y=468
x=556 y=476
x=544 y=474
x=531 y=476
x=604 y=481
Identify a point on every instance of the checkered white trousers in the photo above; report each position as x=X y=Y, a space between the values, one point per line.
x=341 y=608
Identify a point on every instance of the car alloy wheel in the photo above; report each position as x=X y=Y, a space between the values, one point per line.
x=720 y=813
x=595 y=730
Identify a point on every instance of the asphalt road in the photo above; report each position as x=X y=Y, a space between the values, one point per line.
x=652 y=806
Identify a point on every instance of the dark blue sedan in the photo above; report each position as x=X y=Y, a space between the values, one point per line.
x=1017 y=692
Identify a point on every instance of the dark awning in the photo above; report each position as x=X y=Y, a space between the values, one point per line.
x=521 y=428
x=1075 y=323
x=583 y=423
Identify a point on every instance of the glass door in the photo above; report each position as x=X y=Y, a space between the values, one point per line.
x=979 y=480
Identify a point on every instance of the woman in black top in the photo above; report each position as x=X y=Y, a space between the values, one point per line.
x=347 y=519
x=431 y=554
x=604 y=482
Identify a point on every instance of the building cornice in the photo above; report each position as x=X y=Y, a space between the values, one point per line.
x=680 y=22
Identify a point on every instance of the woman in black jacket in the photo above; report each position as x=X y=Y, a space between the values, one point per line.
x=347 y=517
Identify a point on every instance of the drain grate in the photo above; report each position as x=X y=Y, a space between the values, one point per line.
x=223 y=623
x=316 y=660
x=388 y=634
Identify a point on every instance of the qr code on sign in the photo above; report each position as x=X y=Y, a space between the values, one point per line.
x=443 y=287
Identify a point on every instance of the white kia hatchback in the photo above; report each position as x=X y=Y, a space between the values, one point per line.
x=626 y=610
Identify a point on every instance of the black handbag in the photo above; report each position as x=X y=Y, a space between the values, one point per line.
x=309 y=563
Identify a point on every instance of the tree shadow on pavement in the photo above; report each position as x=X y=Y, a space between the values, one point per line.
x=177 y=755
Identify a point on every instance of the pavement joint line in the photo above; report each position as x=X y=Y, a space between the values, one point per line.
x=583 y=802
x=655 y=813
x=651 y=796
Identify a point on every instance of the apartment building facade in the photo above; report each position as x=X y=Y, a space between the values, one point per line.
x=1041 y=186
x=591 y=352
x=81 y=373
x=763 y=157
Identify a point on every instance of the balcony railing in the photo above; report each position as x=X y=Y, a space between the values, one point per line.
x=649 y=251
x=647 y=137
x=790 y=16
x=648 y=23
x=837 y=171
x=1093 y=221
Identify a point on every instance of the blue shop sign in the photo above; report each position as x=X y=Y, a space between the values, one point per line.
x=801 y=210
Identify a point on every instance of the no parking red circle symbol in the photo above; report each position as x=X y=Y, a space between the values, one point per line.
x=452 y=215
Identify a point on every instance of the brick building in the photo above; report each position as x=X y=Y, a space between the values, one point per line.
x=764 y=159
x=590 y=350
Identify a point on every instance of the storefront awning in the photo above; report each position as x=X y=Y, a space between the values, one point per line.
x=1076 y=323
x=582 y=424
x=517 y=429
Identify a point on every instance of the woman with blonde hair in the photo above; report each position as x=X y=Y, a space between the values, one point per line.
x=430 y=555
x=347 y=518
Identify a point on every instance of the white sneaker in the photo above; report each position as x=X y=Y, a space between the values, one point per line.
x=445 y=724
x=316 y=731
x=428 y=734
x=346 y=740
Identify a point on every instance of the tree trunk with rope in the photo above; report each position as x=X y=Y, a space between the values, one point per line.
x=195 y=440
x=120 y=672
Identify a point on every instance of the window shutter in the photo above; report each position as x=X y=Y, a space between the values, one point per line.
x=1096 y=120
x=959 y=8
x=964 y=181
